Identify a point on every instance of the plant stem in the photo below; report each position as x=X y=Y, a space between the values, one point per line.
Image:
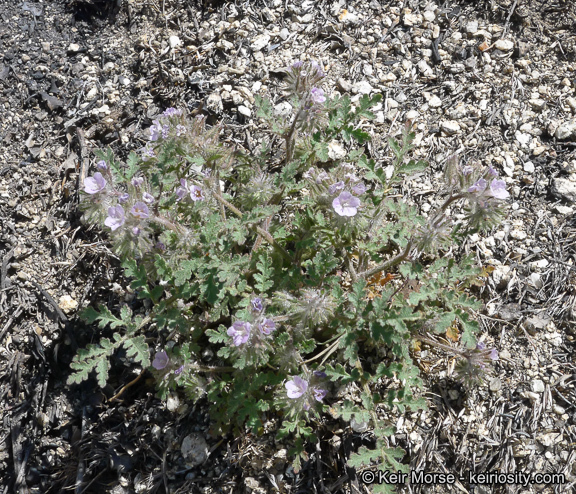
x=388 y=264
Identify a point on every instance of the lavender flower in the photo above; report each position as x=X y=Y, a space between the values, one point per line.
x=115 y=217
x=346 y=204
x=359 y=189
x=498 y=189
x=467 y=170
x=136 y=231
x=492 y=172
x=320 y=374
x=319 y=394
x=137 y=181
x=101 y=165
x=338 y=186
x=140 y=210
x=479 y=186
x=160 y=360
x=155 y=130
x=95 y=184
x=257 y=304
x=296 y=387
x=196 y=193
x=267 y=326
x=180 y=130
x=172 y=112
x=240 y=332
x=179 y=370
x=123 y=197
x=317 y=95
x=148 y=198
x=182 y=191
x=148 y=153
x=322 y=176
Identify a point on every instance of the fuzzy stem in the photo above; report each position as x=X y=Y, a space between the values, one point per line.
x=388 y=264
x=269 y=238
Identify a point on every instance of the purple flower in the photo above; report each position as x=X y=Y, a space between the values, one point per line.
x=160 y=360
x=319 y=394
x=320 y=374
x=115 y=217
x=140 y=210
x=492 y=172
x=179 y=370
x=182 y=191
x=180 y=130
x=267 y=326
x=95 y=184
x=160 y=246
x=493 y=354
x=467 y=170
x=359 y=189
x=165 y=130
x=338 y=186
x=240 y=332
x=498 y=189
x=296 y=387
x=171 y=112
x=346 y=204
x=137 y=181
x=317 y=95
x=315 y=67
x=321 y=177
x=257 y=304
x=123 y=197
x=155 y=130
x=136 y=231
x=148 y=153
x=479 y=186
x=101 y=165
x=196 y=193
x=148 y=198
x=298 y=64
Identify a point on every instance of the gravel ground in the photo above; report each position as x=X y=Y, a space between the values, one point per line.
x=491 y=80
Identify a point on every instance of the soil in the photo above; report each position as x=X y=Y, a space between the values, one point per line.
x=79 y=75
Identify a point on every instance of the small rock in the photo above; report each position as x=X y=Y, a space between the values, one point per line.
x=425 y=69
x=495 y=384
x=194 y=449
x=537 y=322
x=435 y=101
x=336 y=151
x=260 y=42
x=362 y=87
x=501 y=276
x=244 y=111
x=536 y=265
x=174 y=41
x=67 y=303
x=571 y=103
x=412 y=19
x=537 y=386
x=529 y=167
x=123 y=80
x=284 y=34
x=450 y=127
x=472 y=27
x=214 y=102
x=429 y=15
x=537 y=104
x=564 y=188
x=518 y=234
x=73 y=48
x=45 y=46
x=566 y=130
x=549 y=439
x=504 y=45
x=348 y=17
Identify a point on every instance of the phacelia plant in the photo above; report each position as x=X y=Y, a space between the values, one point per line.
x=277 y=276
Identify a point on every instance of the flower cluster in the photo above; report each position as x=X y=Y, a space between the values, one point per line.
x=343 y=188
x=475 y=362
x=306 y=392
x=242 y=332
